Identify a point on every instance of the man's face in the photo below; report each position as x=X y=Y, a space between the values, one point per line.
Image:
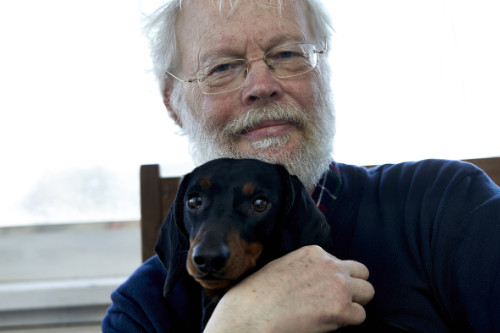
x=277 y=120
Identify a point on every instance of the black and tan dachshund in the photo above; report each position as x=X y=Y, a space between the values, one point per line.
x=232 y=216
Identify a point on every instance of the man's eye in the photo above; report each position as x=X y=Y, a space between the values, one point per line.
x=260 y=205
x=222 y=68
x=286 y=54
x=225 y=67
x=195 y=202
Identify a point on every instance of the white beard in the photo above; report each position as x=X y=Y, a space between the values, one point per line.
x=308 y=161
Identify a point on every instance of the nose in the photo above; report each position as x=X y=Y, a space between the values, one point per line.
x=260 y=86
x=210 y=259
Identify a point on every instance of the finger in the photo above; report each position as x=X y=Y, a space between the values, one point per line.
x=363 y=291
x=353 y=268
x=356 y=316
x=353 y=314
x=357 y=269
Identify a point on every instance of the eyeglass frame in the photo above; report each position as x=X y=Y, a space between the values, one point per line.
x=200 y=80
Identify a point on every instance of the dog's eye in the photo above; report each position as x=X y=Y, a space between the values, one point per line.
x=260 y=205
x=195 y=202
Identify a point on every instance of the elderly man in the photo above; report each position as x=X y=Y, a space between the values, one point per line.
x=250 y=79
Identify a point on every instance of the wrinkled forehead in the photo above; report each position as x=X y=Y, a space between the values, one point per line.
x=203 y=26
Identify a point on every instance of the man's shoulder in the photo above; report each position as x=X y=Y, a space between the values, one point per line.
x=428 y=170
x=419 y=181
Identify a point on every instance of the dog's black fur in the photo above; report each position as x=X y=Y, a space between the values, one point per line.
x=232 y=216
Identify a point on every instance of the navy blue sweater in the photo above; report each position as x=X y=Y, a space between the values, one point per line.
x=429 y=232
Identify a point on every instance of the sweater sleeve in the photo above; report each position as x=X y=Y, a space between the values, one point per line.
x=466 y=250
x=429 y=232
x=138 y=305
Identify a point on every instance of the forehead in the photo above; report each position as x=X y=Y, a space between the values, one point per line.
x=202 y=28
x=246 y=176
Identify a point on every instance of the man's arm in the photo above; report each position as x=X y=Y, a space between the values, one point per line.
x=139 y=305
x=306 y=290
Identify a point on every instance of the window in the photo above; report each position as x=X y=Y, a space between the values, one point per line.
x=416 y=79
x=80 y=112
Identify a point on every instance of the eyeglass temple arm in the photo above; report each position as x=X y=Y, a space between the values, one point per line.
x=178 y=78
x=324 y=50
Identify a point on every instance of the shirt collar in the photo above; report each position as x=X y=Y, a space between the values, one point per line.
x=326 y=192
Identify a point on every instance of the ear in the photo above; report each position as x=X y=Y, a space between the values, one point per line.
x=173 y=241
x=302 y=222
x=167 y=101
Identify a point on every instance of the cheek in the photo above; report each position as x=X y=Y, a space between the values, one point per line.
x=305 y=91
x=219 y=109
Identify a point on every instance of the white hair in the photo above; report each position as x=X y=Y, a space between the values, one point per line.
x=160 y=30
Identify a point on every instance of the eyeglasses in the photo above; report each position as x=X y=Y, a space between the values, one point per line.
x=228 y=74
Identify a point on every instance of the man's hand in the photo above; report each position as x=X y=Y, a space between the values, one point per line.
x=307 y=290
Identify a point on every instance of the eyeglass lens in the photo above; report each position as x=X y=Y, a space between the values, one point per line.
x=284 y=62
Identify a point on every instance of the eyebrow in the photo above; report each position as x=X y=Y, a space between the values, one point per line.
x=222 y=52
x=282 y=39
x=228 y=52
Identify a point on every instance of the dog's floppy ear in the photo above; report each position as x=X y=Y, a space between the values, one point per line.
x=173 y=241
x=302 y=223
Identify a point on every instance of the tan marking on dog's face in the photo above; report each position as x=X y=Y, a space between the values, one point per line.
x=205 y=183
x=248 y=189
x=243 y=258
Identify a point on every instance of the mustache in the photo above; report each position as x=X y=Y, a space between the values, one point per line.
x=272 y=112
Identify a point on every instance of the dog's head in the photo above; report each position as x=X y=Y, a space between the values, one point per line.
x=233 y=215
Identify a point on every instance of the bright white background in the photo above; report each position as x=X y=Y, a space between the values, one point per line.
x=79 y=111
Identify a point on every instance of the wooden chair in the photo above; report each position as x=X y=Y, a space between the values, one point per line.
x=157 y=194
x=490 y=165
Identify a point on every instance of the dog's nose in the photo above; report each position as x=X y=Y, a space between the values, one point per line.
x=210 y=259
